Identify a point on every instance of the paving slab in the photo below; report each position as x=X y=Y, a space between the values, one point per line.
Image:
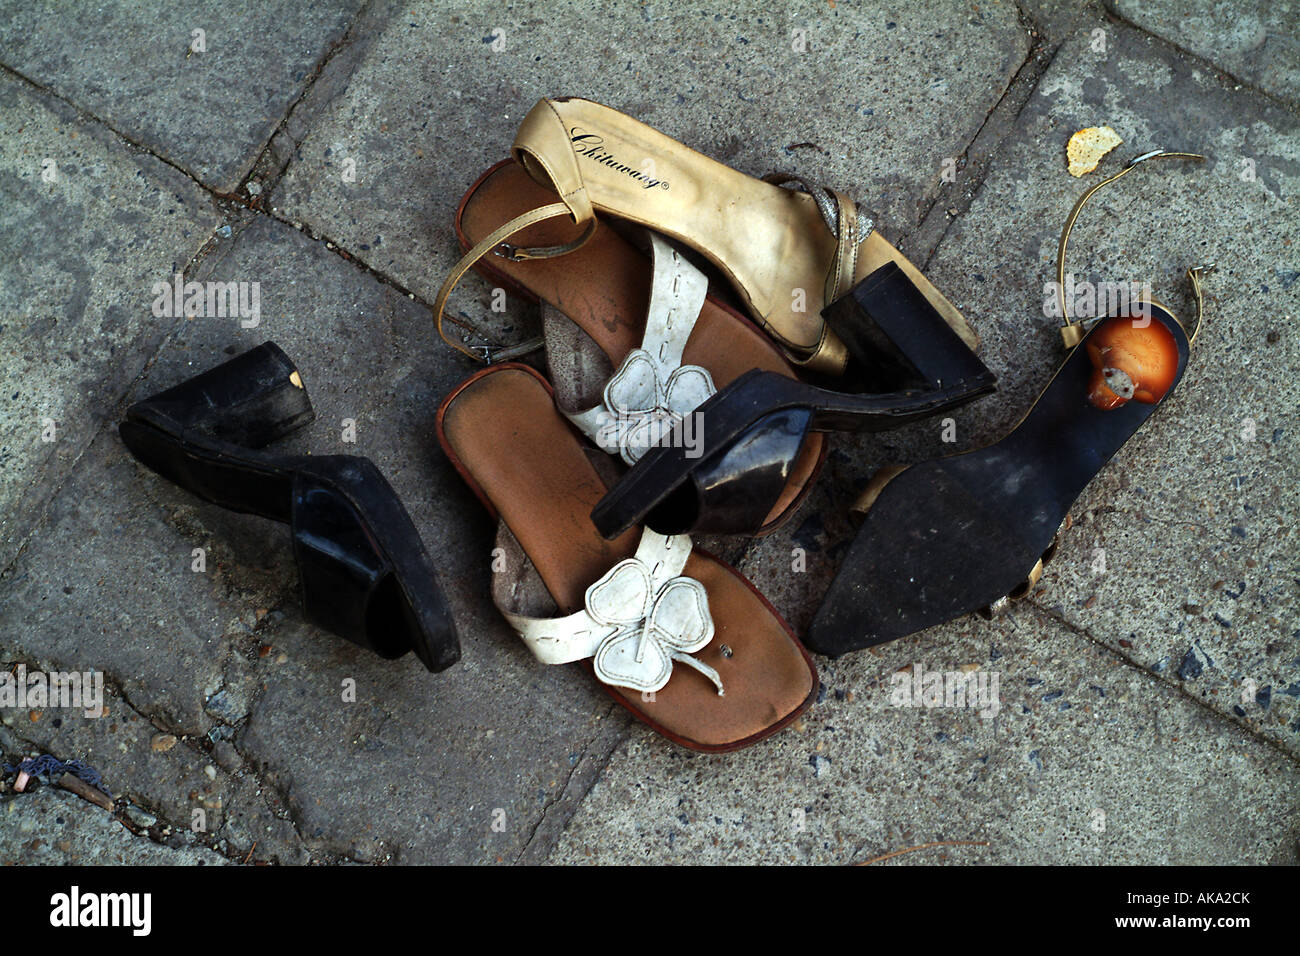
x=51 y=827
x=420 y=767
x=438 y=99
x=1087 y=761
x=180 y=790
x=90 y=226
x=1183 y=556
x=203 y=85
x=1254 y=40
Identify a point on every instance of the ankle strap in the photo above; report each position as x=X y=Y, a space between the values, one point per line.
x=1072 y=332
x=495 y=242
x=542 y=147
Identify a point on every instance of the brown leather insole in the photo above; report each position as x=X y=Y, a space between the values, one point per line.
x=604 y=288
x=503 y=431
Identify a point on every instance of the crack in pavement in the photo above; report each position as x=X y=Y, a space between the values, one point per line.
x=223 y=201
x=262 y=784
x=119 y=813
x=1292 y=106
x=347 y=38
x=90 y=118
x=578 y=799
x=110 y=685
x=1158 y=679
x=977 y=160
x=265 y=158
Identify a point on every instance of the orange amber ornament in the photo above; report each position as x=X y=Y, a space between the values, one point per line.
x=1132 y=359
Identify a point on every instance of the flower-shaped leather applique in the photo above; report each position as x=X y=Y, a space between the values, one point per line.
x=646 y=406
x=651 y=628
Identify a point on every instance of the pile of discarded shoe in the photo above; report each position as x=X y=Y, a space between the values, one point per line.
x=666 y=412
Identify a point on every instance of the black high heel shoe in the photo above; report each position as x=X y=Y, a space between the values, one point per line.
x=364 y=570
x=972 y=532
x=724 y=466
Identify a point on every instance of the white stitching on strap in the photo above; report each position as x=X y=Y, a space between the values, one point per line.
x=651 y=392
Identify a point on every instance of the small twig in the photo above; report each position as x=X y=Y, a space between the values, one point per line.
x=250 y=852
x=923 y=846
x=70 y=781
x=454 y=320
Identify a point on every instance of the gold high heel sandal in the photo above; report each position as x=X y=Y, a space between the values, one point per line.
x=788 y=253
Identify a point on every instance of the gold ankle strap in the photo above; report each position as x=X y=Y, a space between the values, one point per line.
x=1072 y=332
x=495 y=242
x=1194 y=275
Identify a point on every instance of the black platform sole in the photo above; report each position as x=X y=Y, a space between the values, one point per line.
x=364 y=571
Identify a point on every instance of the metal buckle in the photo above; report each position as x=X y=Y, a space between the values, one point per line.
x=1072 y=334
x=492 y=354
x=511 y=252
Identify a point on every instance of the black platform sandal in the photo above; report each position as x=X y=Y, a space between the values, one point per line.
x=972 y=532
x=723 y=466
x=364 y=570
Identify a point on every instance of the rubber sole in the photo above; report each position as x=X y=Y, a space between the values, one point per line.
x=947 y=537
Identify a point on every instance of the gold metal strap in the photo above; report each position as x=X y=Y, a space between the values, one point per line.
x=495 y=242
x=1072 y=332
x=1194 y=275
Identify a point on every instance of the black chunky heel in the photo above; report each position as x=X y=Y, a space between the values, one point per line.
x=365 y=573
x=721 y=469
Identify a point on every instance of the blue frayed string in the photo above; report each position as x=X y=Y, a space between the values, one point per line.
x=47 y=767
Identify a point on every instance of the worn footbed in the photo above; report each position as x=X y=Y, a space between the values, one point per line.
x=604 y=288
x=502 y=431
x=947 y=537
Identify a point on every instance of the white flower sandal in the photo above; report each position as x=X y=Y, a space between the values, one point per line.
x=676 y=636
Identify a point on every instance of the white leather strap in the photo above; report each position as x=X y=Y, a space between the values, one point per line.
x=639 y=618
x=651 y=389
x=677 y=294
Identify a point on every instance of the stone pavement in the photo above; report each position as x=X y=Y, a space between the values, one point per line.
x=1149 y=687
